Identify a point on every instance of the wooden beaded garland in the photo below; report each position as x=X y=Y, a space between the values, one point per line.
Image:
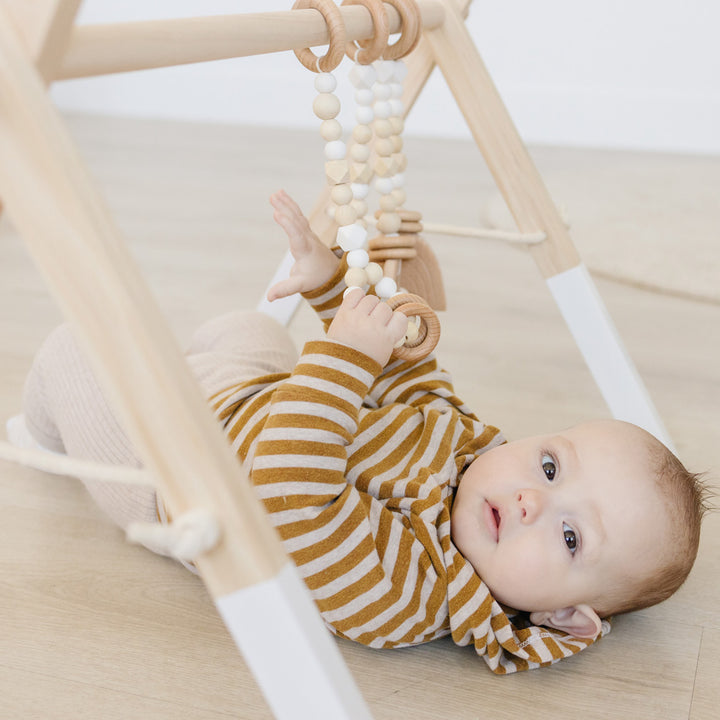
x=349 y=170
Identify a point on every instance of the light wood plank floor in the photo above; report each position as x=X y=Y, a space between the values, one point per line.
x=93 y=627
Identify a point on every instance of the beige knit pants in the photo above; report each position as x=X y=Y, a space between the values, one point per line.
x=65 y=410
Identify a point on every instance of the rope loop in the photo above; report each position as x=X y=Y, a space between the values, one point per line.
x=336 y=30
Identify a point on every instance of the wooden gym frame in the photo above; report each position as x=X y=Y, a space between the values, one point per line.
x=54 y=204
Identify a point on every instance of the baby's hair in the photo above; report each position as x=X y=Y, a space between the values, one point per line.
x=687 y=500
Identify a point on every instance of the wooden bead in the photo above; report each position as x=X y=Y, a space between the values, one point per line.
x=355 y=277
x=389 y=223
x=397 y=124
x=360 y=190
x=397 y=142
x=337 y=172
x=384 y=185
x=399 y=196
x=358 y=258
x=330 y=130
x=382 y=110
x=374 y=272
x=412 y=332
x=362 y=76
x=385 y=167
x=360 y=173
x=345 y=215
x=387 y=204
x=351 y=237
x=362 y=134
x=383 y=128
x=384 y=147
x=360 y=153
x=400 y=161
x=396 y=107
x=341 y=194
x=382 y=91
x=326 y=106
x=360 y=207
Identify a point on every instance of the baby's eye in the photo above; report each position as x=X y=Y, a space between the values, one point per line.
x=570 y=538
x=548 y=466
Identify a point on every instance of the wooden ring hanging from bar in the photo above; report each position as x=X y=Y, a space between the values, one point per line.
x=367 y=51
x=409 y=32
x=429 y=336
x=336 y=30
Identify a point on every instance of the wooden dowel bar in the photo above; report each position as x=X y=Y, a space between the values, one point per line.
x=124 y=47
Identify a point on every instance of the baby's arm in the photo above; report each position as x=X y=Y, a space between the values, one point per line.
x=315 y=263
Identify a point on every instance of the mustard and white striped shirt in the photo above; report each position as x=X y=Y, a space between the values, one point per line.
x=357 y=467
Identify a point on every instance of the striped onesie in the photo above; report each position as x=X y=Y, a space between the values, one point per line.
x=357 y=467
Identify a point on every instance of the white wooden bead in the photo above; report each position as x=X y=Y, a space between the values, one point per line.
x=384 y=128
x=399 y=71
x=382 y=109
x=335 y=150
x=385 y=70
x=362 y=134
x=325 y=83
x=385 y=288
x=364 y=115
x=396 y=107
x=326 y=106
x=345 y=215
x=364 y=96
x=384 y=185
x=360 y=190
x=360 y=153
x=358 y=258
x=356 y=277
x=351 y=237
x=341 y=194
x=374 y=272
x=398 y=180
x=330 y=130
x=381 y=91
x=396 y=90
x=362 y=76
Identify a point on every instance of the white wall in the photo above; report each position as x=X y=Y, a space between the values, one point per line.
x=642 y=74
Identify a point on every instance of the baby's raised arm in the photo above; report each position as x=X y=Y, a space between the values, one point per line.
x=314 y=264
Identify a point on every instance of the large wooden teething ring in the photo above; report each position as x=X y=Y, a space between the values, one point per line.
x=410 y=31
x=336 y=29
x=412 y=305
x=367 y=51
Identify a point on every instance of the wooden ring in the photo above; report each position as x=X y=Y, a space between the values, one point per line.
x=406 y=226
x=412 y=305
x=410 y=30
x=368 y=51
x=398 y=253
x=336 y=30
x=409 y=215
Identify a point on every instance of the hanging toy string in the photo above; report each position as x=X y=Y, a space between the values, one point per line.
x=378 y=88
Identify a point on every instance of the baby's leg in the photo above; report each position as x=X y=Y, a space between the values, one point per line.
x=65 y=411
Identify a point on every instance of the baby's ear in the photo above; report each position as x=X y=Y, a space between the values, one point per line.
x=579 y=620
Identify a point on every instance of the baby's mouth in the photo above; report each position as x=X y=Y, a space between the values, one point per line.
x=493 y=519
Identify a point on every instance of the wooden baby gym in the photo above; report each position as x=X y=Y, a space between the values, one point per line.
x=51 y=199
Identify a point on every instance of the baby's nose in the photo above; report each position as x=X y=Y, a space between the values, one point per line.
x=530 y=502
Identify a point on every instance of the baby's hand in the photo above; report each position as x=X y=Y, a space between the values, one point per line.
x=314 y=264
x=367 y=324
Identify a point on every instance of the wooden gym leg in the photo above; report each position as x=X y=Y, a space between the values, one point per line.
x=533 y=209
x=53 y=203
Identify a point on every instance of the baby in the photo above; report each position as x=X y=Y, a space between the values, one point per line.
x=408 y=518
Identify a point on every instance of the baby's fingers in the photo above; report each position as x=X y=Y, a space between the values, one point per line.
x=397 y=327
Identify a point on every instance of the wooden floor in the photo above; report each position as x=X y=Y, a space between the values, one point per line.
x=93 y=627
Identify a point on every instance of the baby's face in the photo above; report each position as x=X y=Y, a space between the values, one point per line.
x=552 y=521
